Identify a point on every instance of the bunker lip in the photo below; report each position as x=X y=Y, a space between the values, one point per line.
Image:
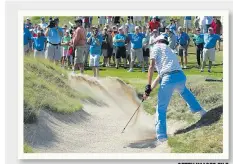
x=97 y=127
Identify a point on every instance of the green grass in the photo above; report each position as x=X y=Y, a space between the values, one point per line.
x=27 y=148
x=46 y=88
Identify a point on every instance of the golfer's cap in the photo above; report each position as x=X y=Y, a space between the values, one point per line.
x=180 y=28
x=28 y=19
x=160 y=37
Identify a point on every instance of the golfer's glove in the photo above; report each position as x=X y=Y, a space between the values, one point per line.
x=148 y=90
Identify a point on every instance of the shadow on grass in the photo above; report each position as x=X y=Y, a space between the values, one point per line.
x=211 y=117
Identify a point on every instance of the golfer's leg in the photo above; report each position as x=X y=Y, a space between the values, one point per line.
x=187 y=95
x=164 y=96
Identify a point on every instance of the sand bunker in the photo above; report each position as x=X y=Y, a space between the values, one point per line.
x=97 y=127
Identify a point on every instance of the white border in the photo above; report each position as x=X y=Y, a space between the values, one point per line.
x=224 y=155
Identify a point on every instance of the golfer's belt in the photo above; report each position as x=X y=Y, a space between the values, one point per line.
x=169 y=73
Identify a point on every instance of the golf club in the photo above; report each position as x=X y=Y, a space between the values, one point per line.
x=132 y=116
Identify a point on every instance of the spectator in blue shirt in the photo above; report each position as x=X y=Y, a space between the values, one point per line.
x=26 y=39
x=187 y=23
x=39 y=45
x=183 y=43
x=210 y=40
x=136 y=48
x=54 y=36
x=119 y=41
x=198 y=40
x=95 y=41
x=88 y=35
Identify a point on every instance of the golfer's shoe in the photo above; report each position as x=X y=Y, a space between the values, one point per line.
x=202 y=112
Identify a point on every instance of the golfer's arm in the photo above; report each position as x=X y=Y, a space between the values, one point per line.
x=151 y=71
x=155 y=83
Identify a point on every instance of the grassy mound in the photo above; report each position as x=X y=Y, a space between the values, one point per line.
x=46 y=87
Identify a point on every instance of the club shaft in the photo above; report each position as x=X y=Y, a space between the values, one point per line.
x=132 y=116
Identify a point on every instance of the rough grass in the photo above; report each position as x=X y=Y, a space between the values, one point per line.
x=46 y=88
x=27 y=148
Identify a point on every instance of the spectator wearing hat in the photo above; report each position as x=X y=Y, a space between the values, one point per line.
x=154 y=24
x=43 y=24
x=210 y=40
x=198 y=39
x=172 y=39
x=119 y=41
x=26 y=39
x=105 y=45
x=136 y=48
x=114 y=33
x=173 y=26
x=95 y=42
x=54 y=35
x=187 y=23
x=39 y=45
x=28 y=23
x=79 y=44
x=183 y=43
x=153 y=36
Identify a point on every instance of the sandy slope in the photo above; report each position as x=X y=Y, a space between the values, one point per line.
x=97 y=128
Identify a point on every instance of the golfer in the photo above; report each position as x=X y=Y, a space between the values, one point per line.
x=171 y=77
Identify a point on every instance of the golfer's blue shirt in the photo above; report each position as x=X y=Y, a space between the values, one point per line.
x=136 y=40
x=53 y=35
x=39 y=43
x=121 y=37
x=210 y=40
x=26 y=36
x=95 y=49
x=183 y=39
x=187 y=18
